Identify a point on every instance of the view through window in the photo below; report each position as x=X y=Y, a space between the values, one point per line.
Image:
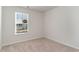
x=21 y=22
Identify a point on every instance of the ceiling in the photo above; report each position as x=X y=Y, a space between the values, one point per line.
x=40 y=8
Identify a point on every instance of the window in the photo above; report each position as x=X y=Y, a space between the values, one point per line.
x=21 y=22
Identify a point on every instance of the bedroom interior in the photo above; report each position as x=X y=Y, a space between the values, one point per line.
x=39 y=29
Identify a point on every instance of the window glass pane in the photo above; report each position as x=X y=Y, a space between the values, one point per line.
x=21 y=22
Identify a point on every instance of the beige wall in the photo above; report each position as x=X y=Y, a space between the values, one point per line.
x=62 y=25
x=8 y=25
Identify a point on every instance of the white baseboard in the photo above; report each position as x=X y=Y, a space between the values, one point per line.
x=61 y=42
x=29 y=38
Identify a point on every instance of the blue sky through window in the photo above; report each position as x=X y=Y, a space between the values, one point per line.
x=19 y=16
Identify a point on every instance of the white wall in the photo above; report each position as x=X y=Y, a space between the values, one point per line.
x=0 y=27
x=8 y=25
x=62 y=25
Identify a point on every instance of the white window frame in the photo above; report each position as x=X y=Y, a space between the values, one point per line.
x=16 y=23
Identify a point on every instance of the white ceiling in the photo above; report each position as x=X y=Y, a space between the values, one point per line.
x=40 y=8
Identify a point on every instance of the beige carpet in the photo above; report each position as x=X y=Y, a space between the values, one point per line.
x=38 y=45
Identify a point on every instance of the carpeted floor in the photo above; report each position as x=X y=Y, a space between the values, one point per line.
x=38 y=45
